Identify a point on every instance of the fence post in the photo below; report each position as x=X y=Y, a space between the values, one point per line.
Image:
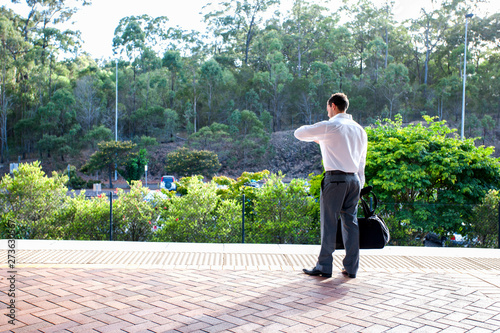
x=243 y=220
x=110 y=216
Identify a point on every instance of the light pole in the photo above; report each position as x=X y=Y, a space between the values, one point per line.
x=116 y=112
x=465 y=69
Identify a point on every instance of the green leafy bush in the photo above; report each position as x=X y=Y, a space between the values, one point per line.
x=133 y=167
x=284 y=213
x=185 y=162
x=31 y=200
x=85 y=219
x=75 y=182
x=427 y=178
x=482 y=226
x=132 y=216
x=200 y=216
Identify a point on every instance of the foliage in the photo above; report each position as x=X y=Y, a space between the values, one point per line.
x=481 y=228
x=284 y=214
x=85 y=219
x=134 y=167
x=259 y=69
x=31 y=201
x=216 y=138
x=132 y=215
x=109 y=155
x=98 y=134
x=185 y=162
x=200 y=216
x=75 y=182
x=427 y=178
x=146 y=141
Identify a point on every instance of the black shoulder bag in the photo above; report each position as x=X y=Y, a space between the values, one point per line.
x=373 y=232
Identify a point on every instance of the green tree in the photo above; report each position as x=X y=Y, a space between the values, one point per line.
x=302 y=32
x=251 y=139
x=236 y=22
x=133 y=167
x=216 y=138
x=211 y=77
x=394 y=83
x=12 y=46
x=482 y=223
x=31 y=201
x=98 y=134
x=426 y=177
x=273 y=81
x=110 y=155
x=173 y=62
x=185 y=162
x=52 y=143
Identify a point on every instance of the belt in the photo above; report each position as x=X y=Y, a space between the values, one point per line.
x=338 y=172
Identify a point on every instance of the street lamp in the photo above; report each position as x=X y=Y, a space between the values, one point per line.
x=465 y=69
x=116 y=112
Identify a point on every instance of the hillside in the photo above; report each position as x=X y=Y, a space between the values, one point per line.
x=292 y=157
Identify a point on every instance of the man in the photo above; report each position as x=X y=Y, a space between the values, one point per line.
x=343 y=143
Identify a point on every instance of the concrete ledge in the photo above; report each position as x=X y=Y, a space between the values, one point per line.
x=24 y=244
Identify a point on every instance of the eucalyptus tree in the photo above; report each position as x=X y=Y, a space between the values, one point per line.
x=46 y=12
x=88 y=102
x=273 y=81
x=302 y=30
x=362 y=26
x=211 y=78
x=430 y=28
x=149 y=62
x=236 y=22
x=40 y=29
x=393 y=84
x=136 y=35
x=173 y=62
x=12 y=48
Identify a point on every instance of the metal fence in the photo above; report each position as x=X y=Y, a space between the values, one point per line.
x=298 y=222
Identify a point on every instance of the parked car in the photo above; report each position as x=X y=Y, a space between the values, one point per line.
x=155 y=196
x=168 y=182
x=434 y=240
x=254 y=184
x=461 y=241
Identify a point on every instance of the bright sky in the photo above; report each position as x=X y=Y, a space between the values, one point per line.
x=98 y=21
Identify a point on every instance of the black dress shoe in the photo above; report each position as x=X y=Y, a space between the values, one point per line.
x=345 y=273
x=316 y=272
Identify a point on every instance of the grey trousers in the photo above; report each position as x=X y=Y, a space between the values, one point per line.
x=339 y=198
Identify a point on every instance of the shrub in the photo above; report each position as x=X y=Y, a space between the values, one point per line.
x=284 y=213
x=32 y=201
x=200 y=216
x=85 y=219
x=482 y=225
x=133 y=167
x=185 y=162
x=132 y=216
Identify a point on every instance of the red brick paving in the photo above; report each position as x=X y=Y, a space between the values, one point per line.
x=53 y=299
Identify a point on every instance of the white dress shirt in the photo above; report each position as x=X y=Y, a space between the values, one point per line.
x=343 y=143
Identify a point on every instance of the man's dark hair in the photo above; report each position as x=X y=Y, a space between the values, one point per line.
x=340 y=100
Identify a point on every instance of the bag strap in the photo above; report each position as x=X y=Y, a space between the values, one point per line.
x=366 y=208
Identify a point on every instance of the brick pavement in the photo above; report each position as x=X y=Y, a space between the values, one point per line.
x=53 y=298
